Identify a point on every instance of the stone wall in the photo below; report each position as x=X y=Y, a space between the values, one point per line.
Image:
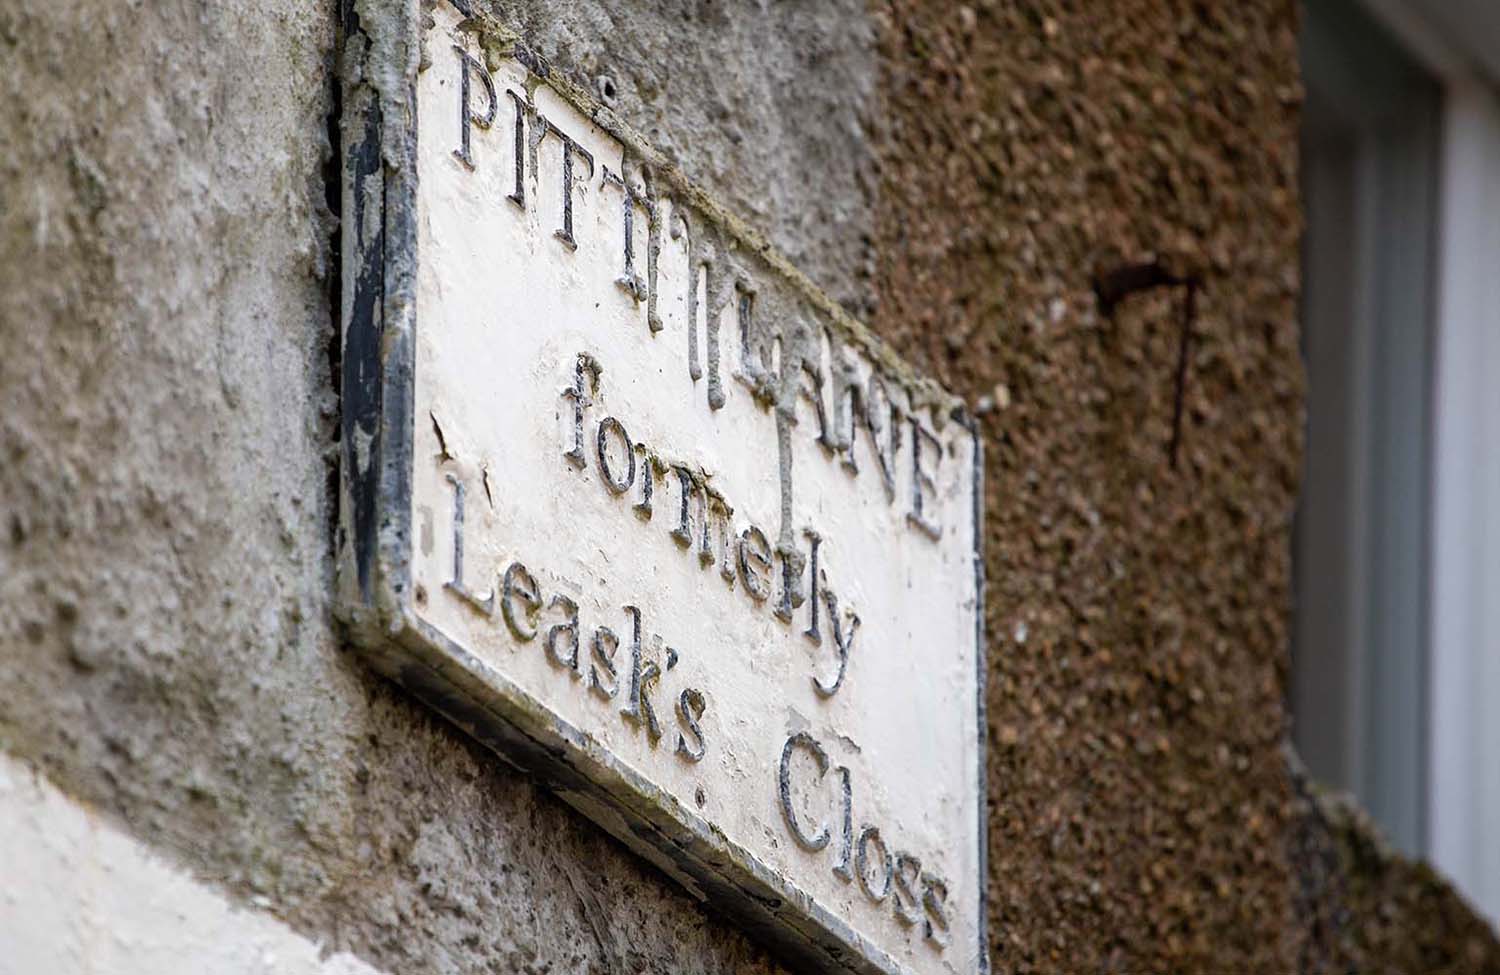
x=1101 y=188
x=1043 y=203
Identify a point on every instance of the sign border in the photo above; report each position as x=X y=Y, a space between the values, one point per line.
x=378 y=245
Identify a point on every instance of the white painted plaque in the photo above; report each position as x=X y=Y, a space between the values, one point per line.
x=634 y=503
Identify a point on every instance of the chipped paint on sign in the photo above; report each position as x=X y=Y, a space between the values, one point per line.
x=643 y=510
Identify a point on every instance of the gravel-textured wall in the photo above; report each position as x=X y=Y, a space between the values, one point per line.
x=985 y=183
x=1089 y=226
x=1067 y=165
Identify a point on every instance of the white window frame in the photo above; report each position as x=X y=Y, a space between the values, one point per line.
x=1459 y=42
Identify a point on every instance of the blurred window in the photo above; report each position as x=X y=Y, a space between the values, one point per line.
x=1395 y=682
x=1369 y=176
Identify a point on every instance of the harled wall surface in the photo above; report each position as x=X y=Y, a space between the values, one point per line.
x=1080 y=216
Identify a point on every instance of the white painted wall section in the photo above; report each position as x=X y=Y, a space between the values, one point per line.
x=1465 y=637
x=81 y=897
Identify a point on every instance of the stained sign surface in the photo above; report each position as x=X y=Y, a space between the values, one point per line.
x=630 y=500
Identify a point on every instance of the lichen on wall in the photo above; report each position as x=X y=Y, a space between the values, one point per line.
x=1366 y=908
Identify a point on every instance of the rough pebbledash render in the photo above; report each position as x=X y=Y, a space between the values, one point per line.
x=1081 y=217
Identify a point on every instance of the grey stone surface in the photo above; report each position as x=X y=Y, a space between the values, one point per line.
x=167 y=422
x=768 y=104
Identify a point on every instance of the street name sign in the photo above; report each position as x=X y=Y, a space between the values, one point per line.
x=626 y=497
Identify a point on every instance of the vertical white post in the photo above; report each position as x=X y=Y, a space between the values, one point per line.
x=1464 y=798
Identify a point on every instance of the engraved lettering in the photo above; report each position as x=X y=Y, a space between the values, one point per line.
x=922 y=481
x=754 y=370
x=807 y=743
x=843 y=869
x=568 y=631
x=755 y=563
x=690 y=707
x=604 y=646
x=467 y=117
x=719 y=292
x=585 y=383
x=616 y=485
x=869 y=407
x=908 y=869
x=791 y=581
x=570 y=149
x=935 y=905
x=643 y=678
x=812 y=391
x=687 y=490
x=882 y=422
x=486 y=603
x=518 y=583
x=812 y=632
x=650 y=470
x=842 y=643
x=629 y=281
x=847 y=407
x=518 y=195
x=709 y=275
x=697 y=295
x=715 y=544
x=708 y=534
x=508 y=299
x=868 y=837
